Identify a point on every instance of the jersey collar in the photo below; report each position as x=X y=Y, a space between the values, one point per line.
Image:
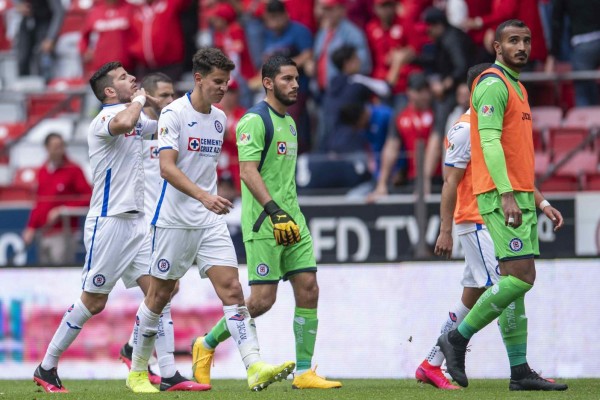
x=508 y=72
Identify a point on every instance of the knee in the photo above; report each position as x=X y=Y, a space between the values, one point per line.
x=308 y=294
x=158 y=299
x=231 y=291
x=94 y=302
x=258 y=306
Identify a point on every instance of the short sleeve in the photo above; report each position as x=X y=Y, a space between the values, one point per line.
x=101 y=129
x=168 y=130
x=250 y=137
x=458 y=152
x=145 y=127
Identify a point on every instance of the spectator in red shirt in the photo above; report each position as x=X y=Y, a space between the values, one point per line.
x=413 y=123
x=158 y=42
x=105 y=34
x=392 y=46
x=61 y=184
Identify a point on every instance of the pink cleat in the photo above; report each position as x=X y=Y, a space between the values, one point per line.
x=428 y=373
x=180 y=384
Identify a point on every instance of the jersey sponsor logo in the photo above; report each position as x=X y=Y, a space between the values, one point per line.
x=292 y=130
x=262 y=269
x=163 y=265
x=154 y=152
x=73 y=326
x=163 y=131
x=237 y=317
x=99 y=280
x=219 y=126
x=165 y=111
x=192 y=124
x=487 y=110
x=515 y=244
x=130 y=134
x=244 y=138
x=281 y=148
x=526 y=117
x=450 y=146
x=193 y=144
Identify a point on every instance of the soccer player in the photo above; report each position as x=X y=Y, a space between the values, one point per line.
x=267 y=144
x=480 y=262
x=188 y=223
x=115 y=227
x=503 y=181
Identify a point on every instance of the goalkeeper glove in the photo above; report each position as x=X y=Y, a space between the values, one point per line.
x=285 y=229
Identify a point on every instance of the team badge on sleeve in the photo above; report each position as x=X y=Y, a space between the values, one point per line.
x=487 y=111
x=244 y=138
x=219 y=126
x=262 y=269
x=163 y=265
x=163 y=131
x=515 y=244
x=98 y=280
x=193 y=144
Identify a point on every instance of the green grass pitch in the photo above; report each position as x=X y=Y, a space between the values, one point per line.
x=370 y=389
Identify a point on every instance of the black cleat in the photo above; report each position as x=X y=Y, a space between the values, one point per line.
x=535 y=382
x=180 y=384
x=48 y=380
x=455 y=359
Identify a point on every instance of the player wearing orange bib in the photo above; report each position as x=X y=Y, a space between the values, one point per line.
x=503 y=181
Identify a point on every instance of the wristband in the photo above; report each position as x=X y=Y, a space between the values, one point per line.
x=543 y=204
x=140 y=99
x=271 y=208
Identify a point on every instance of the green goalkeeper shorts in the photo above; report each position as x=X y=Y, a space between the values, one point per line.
x=513 y=243
x=269 y=262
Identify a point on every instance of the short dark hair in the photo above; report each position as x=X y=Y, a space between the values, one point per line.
x=341 y=55
x=275 y=7
x=475 y=71
x=150 y=81
x=517 y=23
x=273 y=65
x=100 y=80
x=50 y=136
x=209 y=58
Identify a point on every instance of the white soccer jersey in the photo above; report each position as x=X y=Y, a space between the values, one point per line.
x=198 y=139
x=152 y=179
x=116 y=162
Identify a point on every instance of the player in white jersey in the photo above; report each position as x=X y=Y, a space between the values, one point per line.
x=480 y=261
x=115 y=226
x=159 y=86
x=189 y=226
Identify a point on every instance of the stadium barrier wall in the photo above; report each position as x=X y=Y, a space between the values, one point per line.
x=350 y=231
x=376 y=321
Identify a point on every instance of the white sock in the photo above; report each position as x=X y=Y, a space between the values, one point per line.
x=455 y=317
x=243 y=331
x=66 y=333
x=144 y=336
x=165 y=344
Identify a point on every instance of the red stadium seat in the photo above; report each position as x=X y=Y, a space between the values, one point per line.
x=564 y=140
x=592 y=181
x=542 y=163
x=10 y=133
x=546 y=117
x=25 y=178
x=582 y=163
x=560 y=184
x=39 y=105
x=583 y=117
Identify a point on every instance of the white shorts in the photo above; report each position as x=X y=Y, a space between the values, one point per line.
x=174 y=250
x=116 y=248
x=481 y=266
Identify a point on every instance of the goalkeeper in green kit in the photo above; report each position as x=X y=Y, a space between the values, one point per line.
x=277 y=241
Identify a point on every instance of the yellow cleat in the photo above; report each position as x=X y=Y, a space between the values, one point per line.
x=202 y=359
x=138 y=382
x=310 y=380
x=261 y=374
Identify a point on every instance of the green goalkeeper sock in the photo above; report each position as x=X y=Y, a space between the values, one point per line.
x=305 y=331
x=491 y=304
x=219 y=333
x=513 y=326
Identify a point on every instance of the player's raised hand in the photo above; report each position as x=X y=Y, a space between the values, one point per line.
x=217 y=204
x=555 y=216
x=285 y=229
x=443 y=245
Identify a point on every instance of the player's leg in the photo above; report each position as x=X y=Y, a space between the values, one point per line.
x=103 y=267
x=217 y=260
x=263 y=275
x=300 y=267
x=174 y=252
x=512 y=245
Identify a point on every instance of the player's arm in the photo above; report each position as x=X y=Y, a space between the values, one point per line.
x=125 y=121
x=452 y=177
x=489 y=100
x=551 y=212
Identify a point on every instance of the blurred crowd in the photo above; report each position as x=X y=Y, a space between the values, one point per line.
x=377 y=77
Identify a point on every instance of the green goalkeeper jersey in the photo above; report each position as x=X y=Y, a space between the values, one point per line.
x=265 y=136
